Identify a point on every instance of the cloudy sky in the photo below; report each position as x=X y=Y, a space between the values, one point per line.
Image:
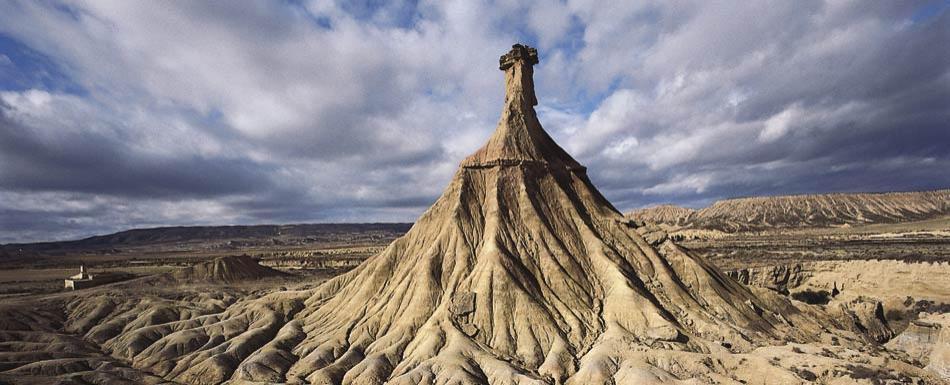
x=119 y=114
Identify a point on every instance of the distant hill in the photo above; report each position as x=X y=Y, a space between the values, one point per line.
x=795 y=211
x=254 y=234
x=225 y=269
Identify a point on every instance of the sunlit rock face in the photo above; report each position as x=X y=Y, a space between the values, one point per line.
x=521 y=272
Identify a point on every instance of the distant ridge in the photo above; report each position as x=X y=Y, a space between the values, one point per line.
x=156 y=235
x=807 y=210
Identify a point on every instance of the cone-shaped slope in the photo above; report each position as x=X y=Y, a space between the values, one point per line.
x=226 y=269
x=520 y=273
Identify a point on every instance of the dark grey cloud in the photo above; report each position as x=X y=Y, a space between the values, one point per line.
x=846 y=99
x=125 y=114
x=98 y=163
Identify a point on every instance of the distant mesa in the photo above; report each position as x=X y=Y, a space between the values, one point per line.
x=798 y=211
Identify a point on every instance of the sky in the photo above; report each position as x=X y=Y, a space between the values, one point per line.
x=123 y=114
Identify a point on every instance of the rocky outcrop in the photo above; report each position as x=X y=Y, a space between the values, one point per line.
x=927 y=341
x=652 y=234
x=867 y=316
x=875 y=278
x=520 y=273
x=780 y=278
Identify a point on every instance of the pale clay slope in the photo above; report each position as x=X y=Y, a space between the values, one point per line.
x=520 y=273
x=795 y=211
x=61 y=338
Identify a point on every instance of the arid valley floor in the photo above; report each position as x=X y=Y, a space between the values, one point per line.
x=904 y=266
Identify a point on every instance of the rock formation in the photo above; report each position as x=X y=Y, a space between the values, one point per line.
x=780 y=278
x=521 y=272
x=224 y=269
x=927 y=340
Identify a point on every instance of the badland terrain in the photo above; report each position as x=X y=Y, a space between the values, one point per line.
x=520 y=273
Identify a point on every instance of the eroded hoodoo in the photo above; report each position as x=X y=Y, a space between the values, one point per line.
x=521 y=272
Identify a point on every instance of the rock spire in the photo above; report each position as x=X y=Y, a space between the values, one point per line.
x=519 y=137
x=520 y=273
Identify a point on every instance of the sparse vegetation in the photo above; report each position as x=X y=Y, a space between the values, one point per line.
x=820 y=297
x=805 y=374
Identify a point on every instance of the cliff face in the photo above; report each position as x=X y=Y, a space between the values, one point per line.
x=795 y=211
x=781 y=278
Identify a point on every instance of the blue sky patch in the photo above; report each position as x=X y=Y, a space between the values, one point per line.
x=22 y=68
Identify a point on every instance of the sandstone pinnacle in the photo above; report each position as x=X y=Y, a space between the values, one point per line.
x=519 y=137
